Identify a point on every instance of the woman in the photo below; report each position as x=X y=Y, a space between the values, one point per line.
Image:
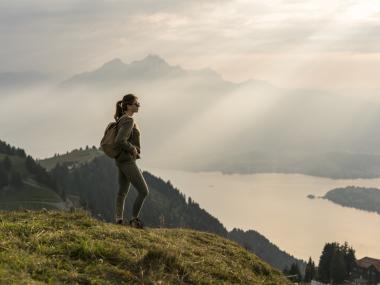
x=128 y=139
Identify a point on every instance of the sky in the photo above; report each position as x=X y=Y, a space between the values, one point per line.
x=328 y=44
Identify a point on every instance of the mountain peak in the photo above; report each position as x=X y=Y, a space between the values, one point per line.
x=153 y=59
x=116 y=62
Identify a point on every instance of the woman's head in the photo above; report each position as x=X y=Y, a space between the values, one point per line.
x=128 y=103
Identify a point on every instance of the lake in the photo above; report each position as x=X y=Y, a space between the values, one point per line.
x=276 y=205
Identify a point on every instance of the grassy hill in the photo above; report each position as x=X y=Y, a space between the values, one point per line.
x=69 y=159
x=40 y=247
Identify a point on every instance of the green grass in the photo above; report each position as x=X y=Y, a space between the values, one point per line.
x=56 y=247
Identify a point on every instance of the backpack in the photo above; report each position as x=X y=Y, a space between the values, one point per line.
x=107 y=144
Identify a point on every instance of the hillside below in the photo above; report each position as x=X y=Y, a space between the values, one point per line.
x=52 y=246
x=26 y=184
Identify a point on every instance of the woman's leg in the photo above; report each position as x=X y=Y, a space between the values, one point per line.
x=138 y=181
x=124 y=184
x=134 y=175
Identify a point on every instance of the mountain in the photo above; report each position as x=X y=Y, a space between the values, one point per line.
x=148 y=69
x=74 y=248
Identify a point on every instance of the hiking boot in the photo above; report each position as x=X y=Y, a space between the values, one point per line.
x=136 y=223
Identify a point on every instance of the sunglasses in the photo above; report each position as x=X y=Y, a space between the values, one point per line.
x=136 y=104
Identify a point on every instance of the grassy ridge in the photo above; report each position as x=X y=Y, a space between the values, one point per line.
x=40 y=247
x=74 y=157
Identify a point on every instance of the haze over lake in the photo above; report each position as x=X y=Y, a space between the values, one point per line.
x=276 y=205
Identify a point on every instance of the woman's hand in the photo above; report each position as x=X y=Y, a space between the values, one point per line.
x=135 y=152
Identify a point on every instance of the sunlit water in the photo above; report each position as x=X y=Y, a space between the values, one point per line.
x=276 y=205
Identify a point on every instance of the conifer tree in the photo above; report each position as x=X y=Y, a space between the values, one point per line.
x=7 y=163
x=3 y=176
x=295 y=270
x=338 y=270
x=336 y=263
x=349 y=257
x=310 y=271
x=15 y=179
x=325 y=261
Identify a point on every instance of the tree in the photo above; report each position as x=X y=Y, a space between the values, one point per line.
x=295 y=270
x=30 y=164
x=169 y=183
x=325 y=261
x=310 y=271
x=15 y=180
x=3 y=176
x=62 y=193
x=40 y=174
x=335 y=263
x=7 y=163
x=286 y=271
x=338 y=270
x=349 y=257
x=7 y=149
x=59 y=175
x=20 y=152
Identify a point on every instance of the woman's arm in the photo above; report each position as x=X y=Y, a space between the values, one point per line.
x=125 y=127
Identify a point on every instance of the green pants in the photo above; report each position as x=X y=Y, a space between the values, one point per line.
x=129 y=173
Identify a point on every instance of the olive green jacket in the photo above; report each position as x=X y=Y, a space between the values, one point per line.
x=127 y=138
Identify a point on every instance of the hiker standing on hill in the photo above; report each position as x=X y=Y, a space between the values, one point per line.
x=128 y=138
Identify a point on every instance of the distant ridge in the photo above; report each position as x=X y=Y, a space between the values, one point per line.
x=151 y=67
x=116 y=71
